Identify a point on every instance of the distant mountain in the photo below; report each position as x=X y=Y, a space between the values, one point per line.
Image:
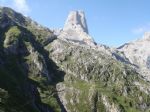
x=138 y=53
x=65 y=70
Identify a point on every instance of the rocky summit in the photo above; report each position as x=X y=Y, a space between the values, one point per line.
x=44 y=70
x=76 y=21
x=75 y=29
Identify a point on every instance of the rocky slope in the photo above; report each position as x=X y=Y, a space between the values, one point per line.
x=44 y=72
x=22 y=57
x=97 y=80
x=138 y=53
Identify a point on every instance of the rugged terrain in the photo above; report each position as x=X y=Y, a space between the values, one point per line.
x=65 y=71
x=138 y=53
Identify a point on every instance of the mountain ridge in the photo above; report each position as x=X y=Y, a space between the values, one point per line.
x=41 y=72
x=138 y=53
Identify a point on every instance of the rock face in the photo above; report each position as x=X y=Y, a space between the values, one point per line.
x=75 y=29
x=96 y=79
x=138 y=53
x=76 y=21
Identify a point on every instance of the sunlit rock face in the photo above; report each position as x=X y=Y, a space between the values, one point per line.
x=76 y=29
x=76 y=21
x=138 y=53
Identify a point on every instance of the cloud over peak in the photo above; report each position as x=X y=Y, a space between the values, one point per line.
x=21 y=6
x=18 y=5
x=142 y=29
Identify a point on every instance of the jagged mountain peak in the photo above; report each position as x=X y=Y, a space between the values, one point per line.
x=76 y=29
x=76 y=20
x=146 y=36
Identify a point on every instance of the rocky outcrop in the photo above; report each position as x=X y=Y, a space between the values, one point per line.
x=76 y=30
x=138 y=53
x=76 y=20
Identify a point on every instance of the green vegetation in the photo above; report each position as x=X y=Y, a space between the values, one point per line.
x=81 y=93
x=12 y=36
x=13 y=80
x=47 y=92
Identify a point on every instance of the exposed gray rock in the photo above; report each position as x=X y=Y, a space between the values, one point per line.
x=76 y=20
x=138 y=53
x=110 y=107
x=76 y=30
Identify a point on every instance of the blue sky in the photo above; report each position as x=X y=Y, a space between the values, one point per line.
x=110 y=22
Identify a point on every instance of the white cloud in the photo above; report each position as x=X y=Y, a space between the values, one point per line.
x=142 y=29
x=18 y=5
x=21 y=6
